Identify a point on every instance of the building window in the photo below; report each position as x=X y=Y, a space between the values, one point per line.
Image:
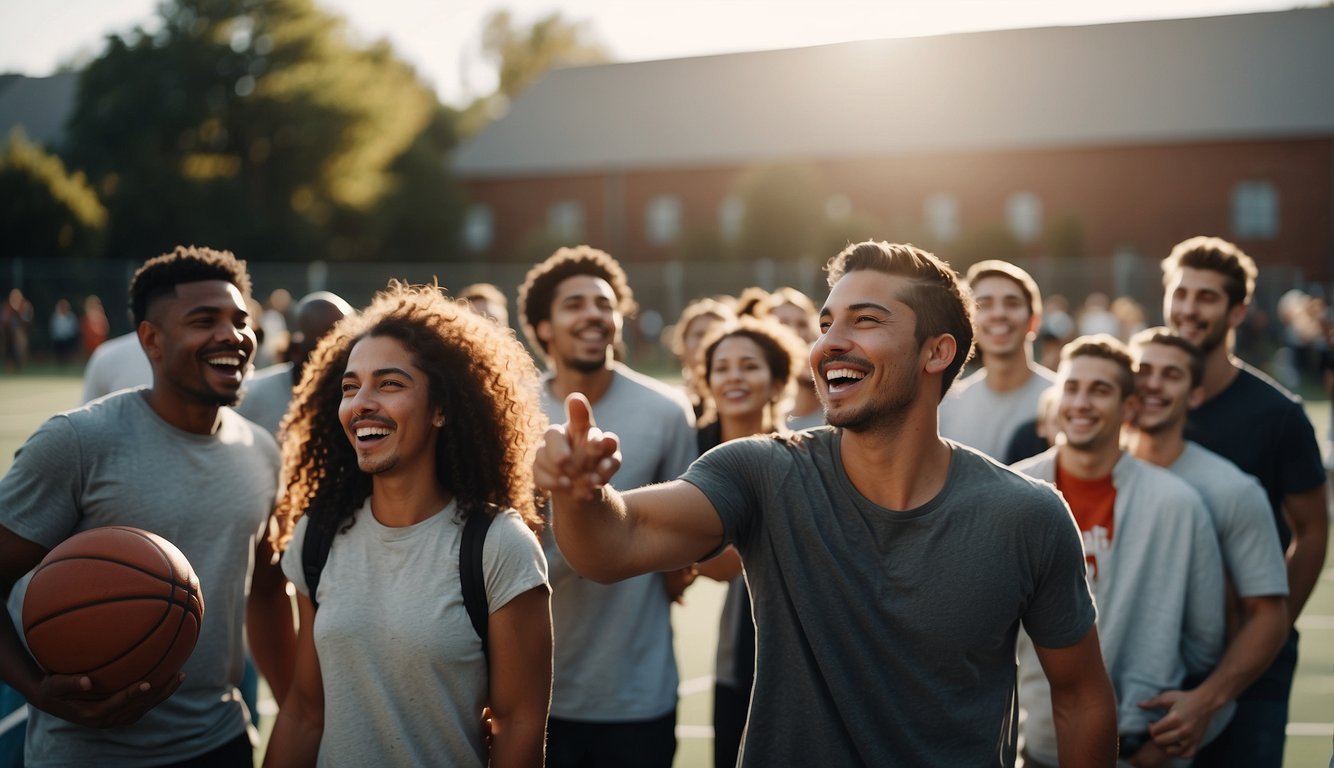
x=565 y=220
x=941 y=212
x=479 y=228
x=1023 y=214
x=663 y=219
x=731 y=214
x=1255 y=210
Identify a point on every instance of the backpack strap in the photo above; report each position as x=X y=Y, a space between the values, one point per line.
x=314 y=554
x=472 y=576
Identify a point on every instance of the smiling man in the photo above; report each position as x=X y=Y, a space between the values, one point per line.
x=175 y=460
x=1253 y=422
x=889 y=569
x=985 y=409
x=614 y=692
x=1151 y=552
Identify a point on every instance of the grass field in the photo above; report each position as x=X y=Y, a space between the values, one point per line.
x=25 y=401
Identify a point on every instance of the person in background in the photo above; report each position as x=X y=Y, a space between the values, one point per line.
x=700 y=318
x=794 y=309
x=614 y=693
x=488 y=301
x=94 y=328
x=1247 y=418
x=750 y=369
x=64 y=330
x=986 y=408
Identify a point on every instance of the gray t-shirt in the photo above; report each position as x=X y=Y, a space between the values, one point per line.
x=1242 y=518
x=267 y=394
x=974 y=414
x=116 y=364
x=115 y=462
x=888 y=637
x=614 y=660
x=404 y=676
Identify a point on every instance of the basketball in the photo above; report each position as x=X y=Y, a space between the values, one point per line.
x=118 y=604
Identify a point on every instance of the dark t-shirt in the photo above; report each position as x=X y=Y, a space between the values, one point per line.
x=888 y=637
x=1262 y=428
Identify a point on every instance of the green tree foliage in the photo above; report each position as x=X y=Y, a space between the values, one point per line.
x=784 y=212
x=45 y=210
x=259 y=126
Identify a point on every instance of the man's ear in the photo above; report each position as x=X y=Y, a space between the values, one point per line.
x=940 y=351
x=1195 y=397
x=543 y=332
x=150 y=338
x=1237 y=314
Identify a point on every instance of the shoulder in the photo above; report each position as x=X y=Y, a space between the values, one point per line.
x=238 y=430
x=1258 y=387
x=1039 y=466
x=650 y=392
x=1042 y=377
x=1213 y=475
x=1155 y=484
x=996 y=480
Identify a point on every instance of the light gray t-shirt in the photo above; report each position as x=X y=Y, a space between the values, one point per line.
x=614 y=660
x=267 y=395
x=887 y=637
x=974 y=414
x=1242 y=518
x=116 y=364
x=405 y=679
x=115 y=462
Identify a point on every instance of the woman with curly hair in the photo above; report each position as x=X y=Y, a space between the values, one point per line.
x=410 y=419
x=748 y=369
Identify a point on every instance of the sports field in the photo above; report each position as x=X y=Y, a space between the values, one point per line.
x=25 y=401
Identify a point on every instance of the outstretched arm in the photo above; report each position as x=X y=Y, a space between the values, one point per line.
x=1082 y=701
x=606 y=535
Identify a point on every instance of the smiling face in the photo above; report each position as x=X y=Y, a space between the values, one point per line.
x=584 y=324
x=1092 y=406
x=867 y=362
x=386 y=411
x=1164 y=387
x=1195 y=305
x=741 y=381
x=1002 y=320
x=201 y=342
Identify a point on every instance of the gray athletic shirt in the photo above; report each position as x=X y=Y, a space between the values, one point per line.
x=267 y=394
x=404 y=675
x=115 y=462
x=614 y=660
x=888 y=637
x=978 y=416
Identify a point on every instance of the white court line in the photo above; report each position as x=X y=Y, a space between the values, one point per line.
x=1310 y=729
x=694 y=731
x=695 y=685
x=14 y=719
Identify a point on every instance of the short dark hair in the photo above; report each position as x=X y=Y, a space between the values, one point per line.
x=160 y=275
x=539 y=285
x=997 y=268
x=1216 y=255
x=938 y=297
x=1170 y=338
x=1106 y=347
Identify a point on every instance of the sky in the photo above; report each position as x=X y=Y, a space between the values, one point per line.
x=440 y=37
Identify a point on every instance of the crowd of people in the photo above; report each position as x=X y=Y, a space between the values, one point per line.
x=485 y=538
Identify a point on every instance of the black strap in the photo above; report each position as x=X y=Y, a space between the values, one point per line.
x=314 y=554
x=473 y=577
x=318 y=540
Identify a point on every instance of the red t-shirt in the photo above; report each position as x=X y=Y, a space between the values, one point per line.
x=1093 y=503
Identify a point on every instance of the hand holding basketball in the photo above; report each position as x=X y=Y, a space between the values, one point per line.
x=111 y=614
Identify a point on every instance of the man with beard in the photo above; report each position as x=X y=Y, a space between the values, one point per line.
x=613 y=697
x=889 y=569
x=1168 y=370
x=986 y=408
x=1262 y=428
x=1152 y=555
x=175 y=460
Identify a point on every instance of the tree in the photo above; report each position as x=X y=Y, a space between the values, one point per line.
x=256 y=126
x=784 y=207
x=45 y=210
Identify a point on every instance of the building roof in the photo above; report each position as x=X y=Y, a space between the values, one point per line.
x=1227 y=77
x=39 y=104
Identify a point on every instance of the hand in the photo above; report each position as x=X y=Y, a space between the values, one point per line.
x=576 y=458
x=675 y=583
x=71 y=698
x=1181 y=730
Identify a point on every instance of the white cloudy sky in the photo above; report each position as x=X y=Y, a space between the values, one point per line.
x=440 y=36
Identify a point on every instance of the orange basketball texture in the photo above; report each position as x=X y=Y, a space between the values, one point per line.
x=118 y=604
